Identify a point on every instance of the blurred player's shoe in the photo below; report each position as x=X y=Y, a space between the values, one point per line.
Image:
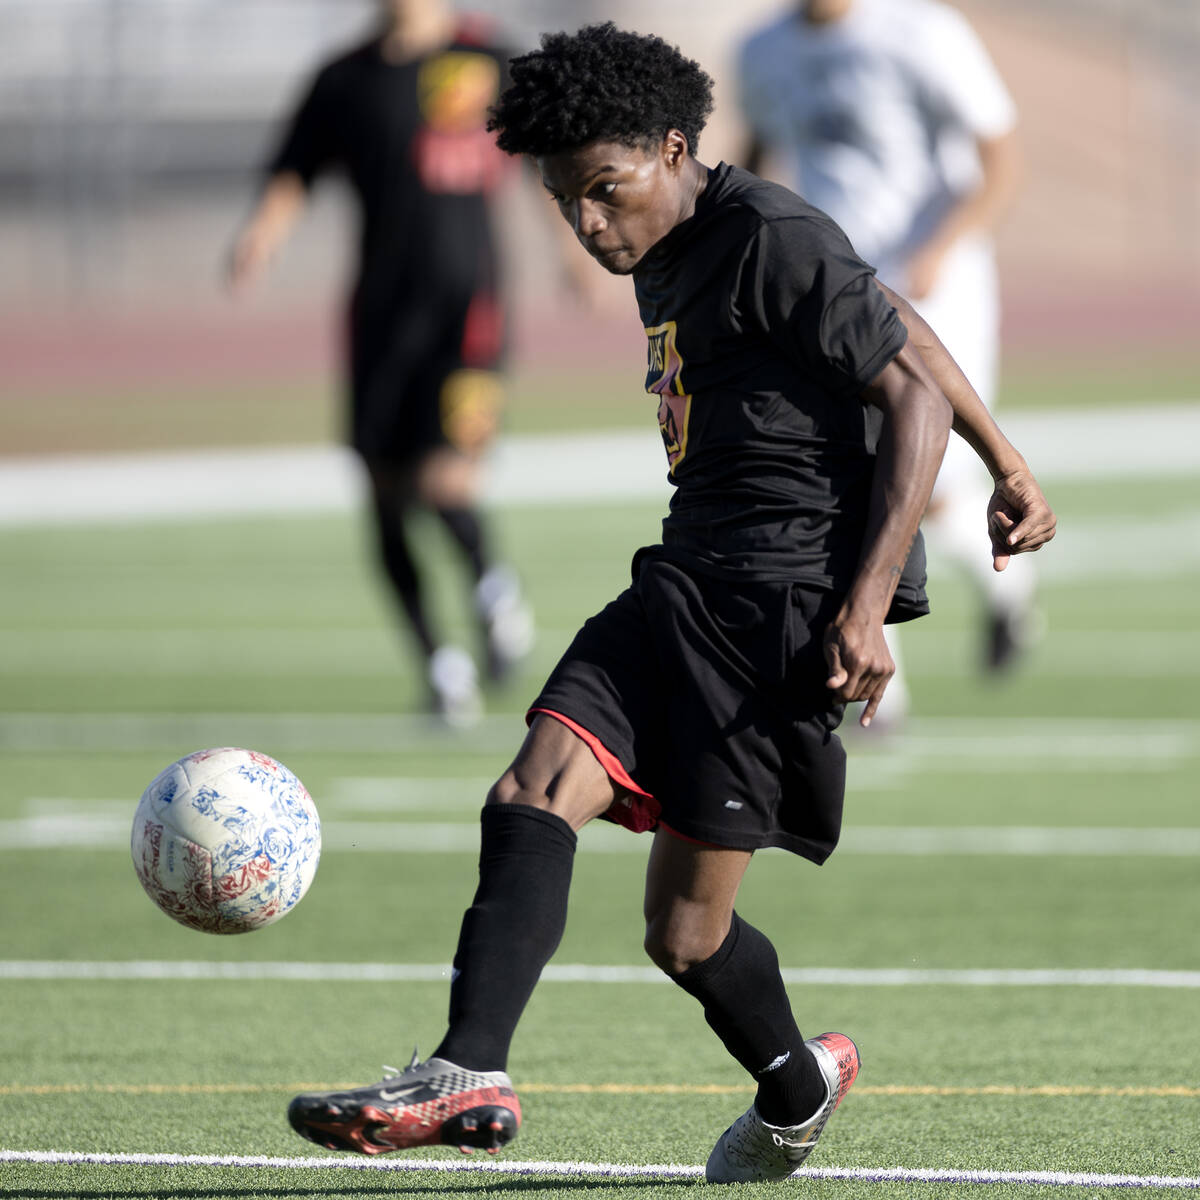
x=751 y=1150
x=427 y=1104
x=507 y=620
x=454 y=686
x=1010 y=632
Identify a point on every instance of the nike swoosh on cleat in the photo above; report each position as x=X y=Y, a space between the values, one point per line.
x=400 y=1093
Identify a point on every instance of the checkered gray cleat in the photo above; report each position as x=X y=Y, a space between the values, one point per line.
x=426 y=1104
x=750 y=1150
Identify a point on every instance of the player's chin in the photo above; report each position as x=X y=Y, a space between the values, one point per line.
x=616 y=262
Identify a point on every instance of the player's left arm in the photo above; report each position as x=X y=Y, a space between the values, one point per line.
x=1019 y=519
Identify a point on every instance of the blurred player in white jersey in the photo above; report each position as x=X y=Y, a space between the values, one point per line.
x=889 y=116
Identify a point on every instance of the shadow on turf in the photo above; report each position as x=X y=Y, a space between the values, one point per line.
x=382 y=1187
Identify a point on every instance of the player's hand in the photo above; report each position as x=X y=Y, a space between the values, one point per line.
x=860 y=664
x=249 y=255
x=1020 y=520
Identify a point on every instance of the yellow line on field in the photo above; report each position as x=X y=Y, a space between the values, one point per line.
x=590 y=1089
x=1012 y=1090
x=714 y=1089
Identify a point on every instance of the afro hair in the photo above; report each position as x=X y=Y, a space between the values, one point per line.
x=600 y=84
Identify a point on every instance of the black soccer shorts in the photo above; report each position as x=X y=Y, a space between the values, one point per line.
x=706 y=701
x=425 y=376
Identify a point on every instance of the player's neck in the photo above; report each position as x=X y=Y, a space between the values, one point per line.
x=824 y=12
x=418 y=34
x=694 y=187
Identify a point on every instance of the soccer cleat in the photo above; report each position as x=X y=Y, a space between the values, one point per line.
x=1010 y=634
x=752 y=1151
x=427 y=1104
x=454 y=687
x=1005 y=641
x=507 y=621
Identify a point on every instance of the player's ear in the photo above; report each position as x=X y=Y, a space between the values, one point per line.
x=674 y=149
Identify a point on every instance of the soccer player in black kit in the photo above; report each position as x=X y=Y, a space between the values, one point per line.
x=403 y=117
x=804 y=410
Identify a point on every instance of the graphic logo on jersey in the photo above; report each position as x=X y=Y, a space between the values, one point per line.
x=665 y=380
x=454 y=152
x=454 y=90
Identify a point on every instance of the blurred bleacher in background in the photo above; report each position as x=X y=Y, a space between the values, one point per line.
x=131 y=133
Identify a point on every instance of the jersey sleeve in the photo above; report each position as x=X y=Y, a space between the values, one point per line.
x=308 y=142
x=803 y=286
x=958 y=78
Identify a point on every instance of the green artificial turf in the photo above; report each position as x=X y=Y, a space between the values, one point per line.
x=125 y=647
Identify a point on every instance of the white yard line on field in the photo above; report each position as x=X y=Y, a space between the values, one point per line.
x=83 y=830
x=1142 y=440
x=1030 y=740
x=945 y=746
x=362 y=653
x=348 y=733
x=593 y=1170
x=366 y=972
x=1165 y=546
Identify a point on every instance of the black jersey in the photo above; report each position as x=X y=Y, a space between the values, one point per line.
x=764 y=327
x=411 y=139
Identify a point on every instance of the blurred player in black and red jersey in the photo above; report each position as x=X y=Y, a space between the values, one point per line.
x=804 y=409
x=403 y=117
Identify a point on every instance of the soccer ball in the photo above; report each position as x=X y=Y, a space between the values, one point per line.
x=226 y=840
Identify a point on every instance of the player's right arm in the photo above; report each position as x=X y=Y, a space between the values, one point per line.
x=278 y=209
x=310 y=142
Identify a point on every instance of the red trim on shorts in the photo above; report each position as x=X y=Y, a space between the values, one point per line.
x=483 y=332
x=607 y=759
x=637 y=811
x=683 y=837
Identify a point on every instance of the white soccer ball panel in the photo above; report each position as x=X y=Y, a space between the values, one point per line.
x=226 y=840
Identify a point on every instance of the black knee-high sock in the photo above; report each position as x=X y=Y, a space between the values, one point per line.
x=746 y=1004
x=402 y=571
x=466 y=527
x=510 y=931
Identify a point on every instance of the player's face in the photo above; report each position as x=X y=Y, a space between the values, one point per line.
x=620 y=200
x=402 y=13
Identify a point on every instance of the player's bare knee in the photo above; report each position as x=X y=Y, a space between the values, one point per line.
x=555 y=770
x=674 y=947
x=575 y=798
x=509 y=789
x=672 y=957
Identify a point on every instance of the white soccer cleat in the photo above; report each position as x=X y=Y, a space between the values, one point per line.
x=751 y=1151
x=454 y=685
x=507 y=620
